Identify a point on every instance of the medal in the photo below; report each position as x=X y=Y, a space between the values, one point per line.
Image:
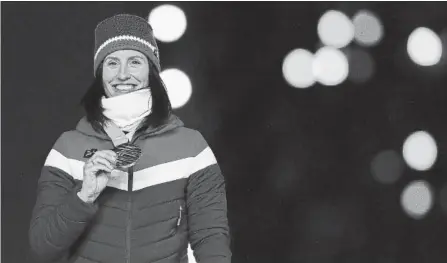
x=127 y=155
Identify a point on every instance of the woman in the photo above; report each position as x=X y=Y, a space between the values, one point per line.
x=90 y=208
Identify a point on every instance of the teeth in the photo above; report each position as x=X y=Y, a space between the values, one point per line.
x=124 y=87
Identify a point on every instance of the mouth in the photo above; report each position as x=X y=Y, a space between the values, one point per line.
x=124 y=87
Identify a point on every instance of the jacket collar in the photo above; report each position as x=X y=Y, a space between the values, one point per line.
x=172 y=123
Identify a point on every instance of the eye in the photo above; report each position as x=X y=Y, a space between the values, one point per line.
x=135 y=62
x=111 y=63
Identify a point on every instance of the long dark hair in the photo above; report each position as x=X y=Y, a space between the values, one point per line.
x=161 y=106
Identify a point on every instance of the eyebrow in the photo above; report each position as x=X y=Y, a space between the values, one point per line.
x=136 y=56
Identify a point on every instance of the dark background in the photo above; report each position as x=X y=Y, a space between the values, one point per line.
x=297 y=161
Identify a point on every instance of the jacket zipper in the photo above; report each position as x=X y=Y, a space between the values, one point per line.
x=129 y=207
x=129 y=204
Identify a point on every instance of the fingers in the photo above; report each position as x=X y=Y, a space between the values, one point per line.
x=100 y=167
x=104 y=162
x=106 y=154
x=105 y=158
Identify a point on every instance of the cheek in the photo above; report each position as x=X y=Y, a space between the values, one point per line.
x=108 y=74
x=142 y=75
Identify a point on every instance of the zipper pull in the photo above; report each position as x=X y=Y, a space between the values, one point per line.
x=179 y=216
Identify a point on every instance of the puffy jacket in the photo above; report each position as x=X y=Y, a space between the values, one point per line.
x=175 y=194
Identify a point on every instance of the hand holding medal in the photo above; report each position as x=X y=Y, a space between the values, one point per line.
x=127 y=155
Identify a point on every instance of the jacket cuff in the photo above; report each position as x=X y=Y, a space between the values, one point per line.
x=76 y=210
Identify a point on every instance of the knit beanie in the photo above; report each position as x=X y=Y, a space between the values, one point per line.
x=125 y=31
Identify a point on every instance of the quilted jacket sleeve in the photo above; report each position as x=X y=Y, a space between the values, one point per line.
x=59 y=216
x=207 y=210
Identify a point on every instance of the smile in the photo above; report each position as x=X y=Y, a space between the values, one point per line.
x=124 y=87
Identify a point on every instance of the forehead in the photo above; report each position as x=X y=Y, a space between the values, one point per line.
x=125 y=54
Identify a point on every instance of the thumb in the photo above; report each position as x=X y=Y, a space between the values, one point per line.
x=101 y=181
x=116 y=173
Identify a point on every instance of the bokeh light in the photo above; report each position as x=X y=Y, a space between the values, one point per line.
x=297 y=68
x=178 y=86
x=330 y=66
x=361 y=65
x=368 y=30
x=424 y=47
x=417 y=199
x=335 y=29
x=420 y=151
x=168 y=22
x=387 y=167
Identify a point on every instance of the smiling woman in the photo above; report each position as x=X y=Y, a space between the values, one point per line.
x=130 y=183
x=125 y=71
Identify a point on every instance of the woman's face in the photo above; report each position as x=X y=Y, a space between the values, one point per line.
x=125 y=71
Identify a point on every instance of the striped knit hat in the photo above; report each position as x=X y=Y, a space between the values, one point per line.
x=125 y=31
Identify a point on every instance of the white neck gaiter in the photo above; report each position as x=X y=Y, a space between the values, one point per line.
x=128 y=110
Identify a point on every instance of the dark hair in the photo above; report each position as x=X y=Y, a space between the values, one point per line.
x=161 y=106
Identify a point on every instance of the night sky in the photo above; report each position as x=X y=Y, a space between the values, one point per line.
x=297 y=162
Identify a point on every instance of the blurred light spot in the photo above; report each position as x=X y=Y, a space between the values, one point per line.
x=361 y=65
x=387 y=167
x=424 y=47
x=443 y=37
x=191 y=258
x=417 y=199
x=330 y=66
x=297 y=68
x=178 y=86
x=368 y=28
x=420 y=151
x=168 y=22
x=335 y=29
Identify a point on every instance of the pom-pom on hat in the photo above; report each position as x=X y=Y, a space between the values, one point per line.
x=125 y=31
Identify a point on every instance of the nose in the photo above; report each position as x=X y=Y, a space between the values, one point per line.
x=123 y=74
